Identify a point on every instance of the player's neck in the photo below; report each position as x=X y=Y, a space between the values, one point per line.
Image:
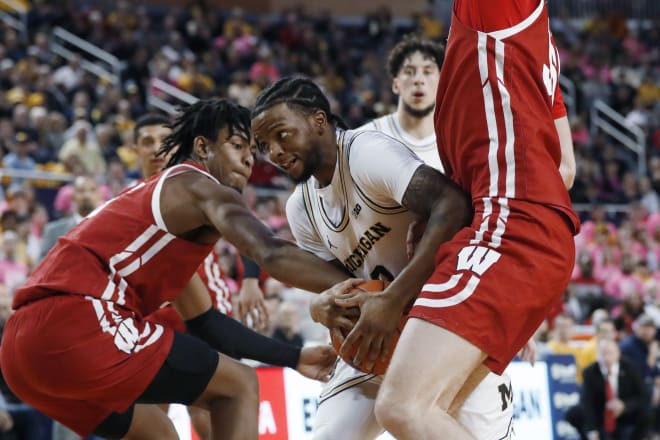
x=147 y=174
x=419 y=128
x=327 y=159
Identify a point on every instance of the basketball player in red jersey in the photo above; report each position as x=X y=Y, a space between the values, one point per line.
x=495 y=281
x=149 y=132
x=81 y=346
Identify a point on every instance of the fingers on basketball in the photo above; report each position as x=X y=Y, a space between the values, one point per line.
x=380 y=366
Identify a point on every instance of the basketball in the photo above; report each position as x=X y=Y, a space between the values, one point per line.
x=380 y=366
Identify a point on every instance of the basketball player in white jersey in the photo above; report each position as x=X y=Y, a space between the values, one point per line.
x=359 y=192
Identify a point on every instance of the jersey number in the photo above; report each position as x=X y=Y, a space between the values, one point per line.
x=381 y=273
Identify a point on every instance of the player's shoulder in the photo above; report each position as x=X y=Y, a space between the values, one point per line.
x=376 y=124
x=296 y=199
x=359 y=138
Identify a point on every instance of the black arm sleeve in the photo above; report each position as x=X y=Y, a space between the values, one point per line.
x=250 y=268
x=233 y=339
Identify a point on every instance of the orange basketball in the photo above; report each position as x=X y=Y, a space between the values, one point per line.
x=380 y=366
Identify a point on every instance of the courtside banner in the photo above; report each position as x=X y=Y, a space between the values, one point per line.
x=532 y=417
x=273 y=417
x=302 y=396
x=288 y=402
x=564 y=393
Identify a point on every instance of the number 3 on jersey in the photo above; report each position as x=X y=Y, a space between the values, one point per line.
x=381 y=273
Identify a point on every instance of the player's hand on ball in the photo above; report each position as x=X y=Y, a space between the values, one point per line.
x=317 y=362
x=324 y=310
x=372 y=334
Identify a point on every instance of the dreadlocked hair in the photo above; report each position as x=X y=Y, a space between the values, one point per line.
x=300 y=93
x=203 y=118
x=410 y=44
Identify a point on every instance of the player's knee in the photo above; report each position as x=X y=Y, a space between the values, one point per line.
x=252 y=384
x=201 y=421
x=392 y=411
x=249 y=384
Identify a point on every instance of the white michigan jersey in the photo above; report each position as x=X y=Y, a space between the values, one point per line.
x=359 y=220
x=426 y=148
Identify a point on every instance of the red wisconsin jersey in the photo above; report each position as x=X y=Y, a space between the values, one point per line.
x=494 y=116
x=121 y=254
x=211 y=273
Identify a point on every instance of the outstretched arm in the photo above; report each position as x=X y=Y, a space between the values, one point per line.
x=225 y=210
x=230 y=337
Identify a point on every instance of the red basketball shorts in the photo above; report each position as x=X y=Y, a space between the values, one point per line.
x=495 y=281
x=78 y=360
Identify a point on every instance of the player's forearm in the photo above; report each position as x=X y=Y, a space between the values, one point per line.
x=567 y=167
x=446 y=219
x=291 y=265
x=230 y=337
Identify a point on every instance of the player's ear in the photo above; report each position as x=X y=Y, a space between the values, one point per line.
x=201 y=147
x=395 y=86
x=320 y=121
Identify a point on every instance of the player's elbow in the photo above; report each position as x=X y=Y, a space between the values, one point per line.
x=462 y=208
x=268 y=255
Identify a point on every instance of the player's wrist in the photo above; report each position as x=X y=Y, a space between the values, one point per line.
x=396 y=300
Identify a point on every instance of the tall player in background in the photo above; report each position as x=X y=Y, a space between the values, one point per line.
x=356 y=212
x=414 y=65
x=496 y=280
x=83 y=346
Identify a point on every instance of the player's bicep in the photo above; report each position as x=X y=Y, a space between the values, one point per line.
x=424 y=190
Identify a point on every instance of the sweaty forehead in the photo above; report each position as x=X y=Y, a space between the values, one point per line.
x=272 y=117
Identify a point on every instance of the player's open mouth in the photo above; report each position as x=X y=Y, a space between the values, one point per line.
x=419 y=94
x=288 y=164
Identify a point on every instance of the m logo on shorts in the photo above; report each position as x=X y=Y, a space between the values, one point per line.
x=477 y=259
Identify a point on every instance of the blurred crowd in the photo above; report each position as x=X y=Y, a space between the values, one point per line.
x=57 y=117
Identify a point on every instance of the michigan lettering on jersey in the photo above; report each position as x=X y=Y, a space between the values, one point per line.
x=365 y=244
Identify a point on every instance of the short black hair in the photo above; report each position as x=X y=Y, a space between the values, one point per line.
x=148 y=120
x=204 y=118
x=298 y=92
x=410 y=44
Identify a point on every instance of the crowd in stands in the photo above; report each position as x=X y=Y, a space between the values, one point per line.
x=56 y=116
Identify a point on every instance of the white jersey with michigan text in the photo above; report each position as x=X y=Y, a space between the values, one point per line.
x=358 y=219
